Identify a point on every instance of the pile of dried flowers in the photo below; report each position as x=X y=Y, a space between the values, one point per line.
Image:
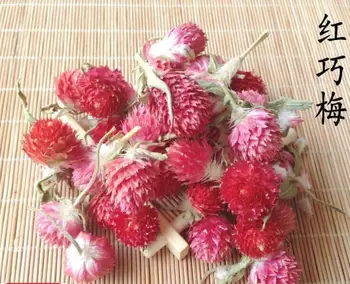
x=193 y=123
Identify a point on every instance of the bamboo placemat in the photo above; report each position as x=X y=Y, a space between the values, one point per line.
x=40 y=39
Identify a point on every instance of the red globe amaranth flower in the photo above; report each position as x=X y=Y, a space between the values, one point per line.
x=255 y=240
x=257 y=137
x=65 y=215
x=245 y=80
x=96 y=259
x=205 y=198
x=104 y=126
x=131 y=182
x=168 y=184
x=137 y=229
x=82 y=174
x=104 y=92
x=190 y=160
x=66 y=88
x=211 y=239
x=279 y=268
x=250 y=188
x=103 y=212
x=151 y=127
x=191 y=105
x=53 y=143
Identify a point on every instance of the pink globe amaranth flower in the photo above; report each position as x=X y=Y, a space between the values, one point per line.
x=288 y=118
x=102 y=210
x=256 y=137
x=245 y=80
x=66 y=88
x=104 y=126
x=211 y=239
x=53 y=143
x=191 y=105
x=104 y=92
x=253 y=97
x=151 y=127
x=131 y=182
x=65 y=216
x=96 y=259
x=181 y=44
x=82 y=174
x=191 y=161
x=279 y=268
x=200 y=64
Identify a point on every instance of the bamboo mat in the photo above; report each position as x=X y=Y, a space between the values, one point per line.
x=40 y=39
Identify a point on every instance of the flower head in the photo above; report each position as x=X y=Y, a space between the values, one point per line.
x=211 y=239
x=279 y=268
x=250 y=189
x=66 y=88
x=53 y=143
x=205 y=198
x=104 y=126
x=191 y=105
x=288 y=118
x=104 y=92
x=65 y=215
x=256 y=137
x=151 y=127
x=253 y=97
x=190 y=160
x=131 y=182
x=181 y=44
x=200 y=65
x=259 y=238
x=137 y=229
x=168 y=184
x=82 y=174
x=245 y=80
x=96 y=259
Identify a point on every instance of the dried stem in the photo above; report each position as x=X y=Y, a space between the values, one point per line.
x=63 y=231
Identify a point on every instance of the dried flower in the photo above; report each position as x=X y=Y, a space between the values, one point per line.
x=181 y=44
x=66 y=88
x=257 y=136
x=253 y=97
x=191 y=105
x=137 y=229
x=104 y=126
x=245 y=80
x=65 y=215
x=103 y=211
x=53 y=143
x=104 y=92
x=151 y=127
x=279 y=268
x=192 y=162
x=205 y=198
x=82 y=174
x=131 y=182
x=201 y=65
x=250 y=189
x=96 y=259
x=168 y=184
x=261 y=237
x=211 y=239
